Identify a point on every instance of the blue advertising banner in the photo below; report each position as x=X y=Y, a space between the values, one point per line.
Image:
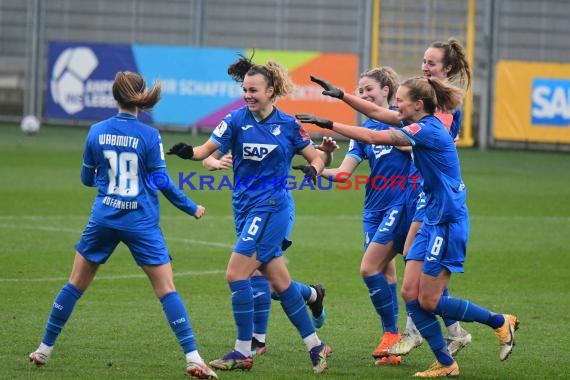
x=196 y=89
x=80 y=79
x=194 y=81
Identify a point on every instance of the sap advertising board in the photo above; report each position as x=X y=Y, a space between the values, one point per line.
x=196 y=89
x=532 y=102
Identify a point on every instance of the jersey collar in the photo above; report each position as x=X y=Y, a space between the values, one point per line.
x=126 y=116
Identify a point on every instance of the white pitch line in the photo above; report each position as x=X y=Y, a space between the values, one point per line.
x=70 y=230
x=297 y=217
x=113 y=278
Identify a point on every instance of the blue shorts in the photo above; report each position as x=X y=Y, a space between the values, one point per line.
x=291 y=208
x=385 y=226
x=441 y=246
x=417 y=205
x=98 y=242
x=262 y=232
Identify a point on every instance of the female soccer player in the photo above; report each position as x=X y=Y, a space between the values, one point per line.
x=384 y=219
x=312 y=294
x=440 y=246
x=445 y=61
x=122 y=156
x=263 y=141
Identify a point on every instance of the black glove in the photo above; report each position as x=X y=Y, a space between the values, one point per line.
x=306 y=118
x=182 y=150
x=309 y=171
x=330 y=90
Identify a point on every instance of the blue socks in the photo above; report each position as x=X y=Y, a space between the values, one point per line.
x=463 y=310
x=394 y=290
x=429 y=327
x=304 y=289
x=179 y=321
x=381 y=297
x=261 y=304
x=60 y=312
x=242 y=306
x=294 y=306
x=447 y=321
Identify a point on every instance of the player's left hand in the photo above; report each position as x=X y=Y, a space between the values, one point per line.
x=200 y=211
x=307 y=118
x=309 y=171
x=329 y=88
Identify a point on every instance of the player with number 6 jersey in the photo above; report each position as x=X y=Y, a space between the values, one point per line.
x=263 y=141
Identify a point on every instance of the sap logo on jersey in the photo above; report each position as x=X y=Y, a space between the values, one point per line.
x=551 y=102
x=380 y=150
x=257 y=152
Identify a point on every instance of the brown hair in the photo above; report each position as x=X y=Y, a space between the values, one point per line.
x=275 y=75
x=130 y=91
x=434 y=93
x=454 y=55
x=385 y=76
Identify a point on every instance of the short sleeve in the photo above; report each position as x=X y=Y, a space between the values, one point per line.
x=356 y=150
x=222 y=134
x=301 y=137
x=414 y=133
x=155 y=155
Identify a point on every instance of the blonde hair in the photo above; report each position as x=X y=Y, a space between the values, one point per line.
x=434 y=93
x=274 y=73
x=385 y=76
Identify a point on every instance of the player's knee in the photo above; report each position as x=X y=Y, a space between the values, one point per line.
x=428 y=302
x=408 y=293
x=367 y=270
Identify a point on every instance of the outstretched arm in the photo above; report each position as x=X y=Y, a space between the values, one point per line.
x=368 y=136
x=373 y=111
x=174 y=194
x=369 y=109
x=188 y=152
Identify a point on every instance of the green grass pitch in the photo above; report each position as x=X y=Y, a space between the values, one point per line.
x=518 y=261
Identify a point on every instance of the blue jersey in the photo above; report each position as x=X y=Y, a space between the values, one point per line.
x=436 y=158
x=262 y=152
x=452 y=122
x=389 y=168
x=120 y=155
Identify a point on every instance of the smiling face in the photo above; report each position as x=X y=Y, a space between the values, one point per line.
x=432 y=65
x=369 y=89
x=257 y=94
x=408 y=109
